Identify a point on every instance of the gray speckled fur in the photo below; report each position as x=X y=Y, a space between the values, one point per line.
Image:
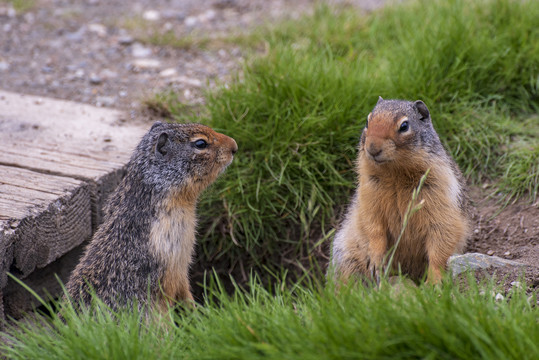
x=118 y=264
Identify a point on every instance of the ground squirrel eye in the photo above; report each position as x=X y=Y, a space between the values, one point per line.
x=201 y=144
x=404 y=126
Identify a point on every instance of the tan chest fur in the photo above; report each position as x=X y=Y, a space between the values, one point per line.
x=383 y=201
x=172 y=240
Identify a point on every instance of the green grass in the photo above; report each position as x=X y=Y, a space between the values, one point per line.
x=20 y=6
x=305 y=323
x=297 y=112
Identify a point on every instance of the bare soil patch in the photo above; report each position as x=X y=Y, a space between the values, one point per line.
x=510 y=232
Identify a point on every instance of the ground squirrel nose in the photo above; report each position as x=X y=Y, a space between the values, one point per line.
x=234 y=147
x=373 y=151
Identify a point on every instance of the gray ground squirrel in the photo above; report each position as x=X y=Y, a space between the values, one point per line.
x=397 y=146
x=143 y=249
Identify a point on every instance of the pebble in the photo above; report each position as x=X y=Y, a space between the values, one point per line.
x=188 y=81
x=108 y=74
x=516 y=284
x=151 y=15
x=499 y=297
x=4 y=65
x=146 y=63
x=95 y=80
x=98 y=29
x=140 y=51
x=79 y=73
x=190 y=21
x=126 y=40
x=168 y=72
x=105 y=101
x=490 y=252
x=507 y=253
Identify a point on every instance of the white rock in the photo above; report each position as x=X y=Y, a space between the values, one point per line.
x=108 y=74
x=105 y=101
x=168 y=72
x=208 y=15
x=499 y=297
x=140 y=51
x=151 y=15
x=190 y=21
x=187 y=81
x=98 y=29
x=507 y=253
x=4 y=65
x=490 y=252
x=146 y=63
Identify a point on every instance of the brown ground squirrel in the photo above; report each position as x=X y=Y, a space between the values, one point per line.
x=143 y=249
x=398 y=145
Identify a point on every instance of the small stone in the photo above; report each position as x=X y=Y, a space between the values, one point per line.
x=46 y=69
x=476 y=231
x=146 y=63
x=95 y=80
x=188 y=81
x=105 y=101
x=208 y=15
x=11 y=12
x=79 y=74
x=107 y=138
x=499 y=297
x=77 y=35
x=507 y=253
x=190 y=21
x=168 y=72
x=516 y=284
x=108 y=74
x=126 y=40
x=4 y=65
x=122 y=93
x=29 y=18
x=140 y=51
x=98 y=29
x=490 y=252
x=6 y=27
x=151 y=15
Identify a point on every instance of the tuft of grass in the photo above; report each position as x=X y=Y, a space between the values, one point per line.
x=21 y=6
x=445 y=322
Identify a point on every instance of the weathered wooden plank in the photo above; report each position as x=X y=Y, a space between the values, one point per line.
x=44 y=224
x=59 y=161
x=44 y=282
x=68 y=139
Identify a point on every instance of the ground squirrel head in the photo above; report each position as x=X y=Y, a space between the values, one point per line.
x=396 y=130
x=183 y=158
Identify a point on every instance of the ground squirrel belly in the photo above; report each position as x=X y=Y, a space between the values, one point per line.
x=143 y=249
x=397 y=146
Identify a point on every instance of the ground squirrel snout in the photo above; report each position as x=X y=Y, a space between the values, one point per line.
x=142 y=251
x=397 y=146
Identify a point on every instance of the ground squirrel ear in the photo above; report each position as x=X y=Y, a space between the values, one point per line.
x=380 y=99
x=422 y=110
x=156 y=124
x=161 y=144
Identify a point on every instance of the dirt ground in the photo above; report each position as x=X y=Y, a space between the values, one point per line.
x=88 y=51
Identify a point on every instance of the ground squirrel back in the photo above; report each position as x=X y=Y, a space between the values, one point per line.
x=143 y=249
x=398 y=145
